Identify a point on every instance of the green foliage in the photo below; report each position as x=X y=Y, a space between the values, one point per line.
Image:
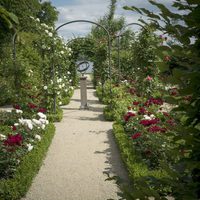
x=182 y=58
x=16 y=187
x=56 y=117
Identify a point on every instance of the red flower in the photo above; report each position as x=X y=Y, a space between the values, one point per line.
x=132 y=91
x=16 y=106
x=155 y=129
x=166 y=114
x=42 y=110
x=135 y=103
x=14 y=128
x=171 y=122
x=157 y=101
x=13 y=140
x=128 y=116
x=32 y=106
x=136 y=135
x=142 y=111
x=146 y=122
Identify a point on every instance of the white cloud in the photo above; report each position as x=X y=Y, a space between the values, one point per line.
x=93 y=10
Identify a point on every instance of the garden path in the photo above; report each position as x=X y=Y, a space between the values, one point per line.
x=82 y=149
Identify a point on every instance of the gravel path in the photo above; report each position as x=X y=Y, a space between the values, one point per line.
x=82 y=149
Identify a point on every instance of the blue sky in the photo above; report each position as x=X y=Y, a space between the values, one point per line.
x=92 y=10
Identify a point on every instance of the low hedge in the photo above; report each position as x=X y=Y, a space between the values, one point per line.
x=55 y=117
x=16 y=187
x=144 y=181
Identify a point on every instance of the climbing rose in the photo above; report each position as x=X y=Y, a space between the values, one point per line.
x=136 y=135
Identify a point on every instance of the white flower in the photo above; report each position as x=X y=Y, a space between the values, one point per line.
x=71 y=87
x=132 y=111
x=45 y=87
x=47 y=122
x=30 y=125
x=31 y=17
x=60 y=86
x=9 y=111
x=70 y=80
x=66 y=90
x=18 y=111
x=42 y=115
x=58 y=93
x=38 y=137
x=68 y=72
x=63 y=85
x=36 y=122
x=46 y=31
x=43 y=126
x=62 y=52
x=37 y=19
x=60 y=103
x=147 y=117
x=43 y=46
x=30 y=147
x=16 y=124
x=2 y=137
x=70 y=54
x=152 y=116
x=50 y=34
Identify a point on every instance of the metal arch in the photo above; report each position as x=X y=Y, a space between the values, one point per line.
x=118 y=40
x=107 y=32
x=109 y=48
x=79 y=38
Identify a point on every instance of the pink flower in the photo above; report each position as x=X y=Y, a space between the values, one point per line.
x=149 y=78
x=136 y=135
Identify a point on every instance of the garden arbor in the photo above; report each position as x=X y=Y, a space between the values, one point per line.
x=108 y=47
x=120 y=34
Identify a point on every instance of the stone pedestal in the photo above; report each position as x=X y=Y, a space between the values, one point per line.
x=83 y=88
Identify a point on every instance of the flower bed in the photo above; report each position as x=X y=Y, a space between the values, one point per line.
x=24 y=138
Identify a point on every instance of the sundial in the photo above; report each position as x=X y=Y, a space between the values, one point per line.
x=83 y=66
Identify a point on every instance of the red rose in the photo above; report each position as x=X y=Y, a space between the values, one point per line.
x=155 y=129
x=42 y=110
x=136 y=135
x=32 y=106
x=128 y=116
x=135 y=103
x=16 y=106
x=13 y=140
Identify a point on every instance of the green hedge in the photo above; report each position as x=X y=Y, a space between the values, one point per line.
x=57 y=117
x=16 y=187
x=144 y=181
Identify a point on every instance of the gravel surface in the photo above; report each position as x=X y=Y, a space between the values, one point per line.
x=83 y=149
